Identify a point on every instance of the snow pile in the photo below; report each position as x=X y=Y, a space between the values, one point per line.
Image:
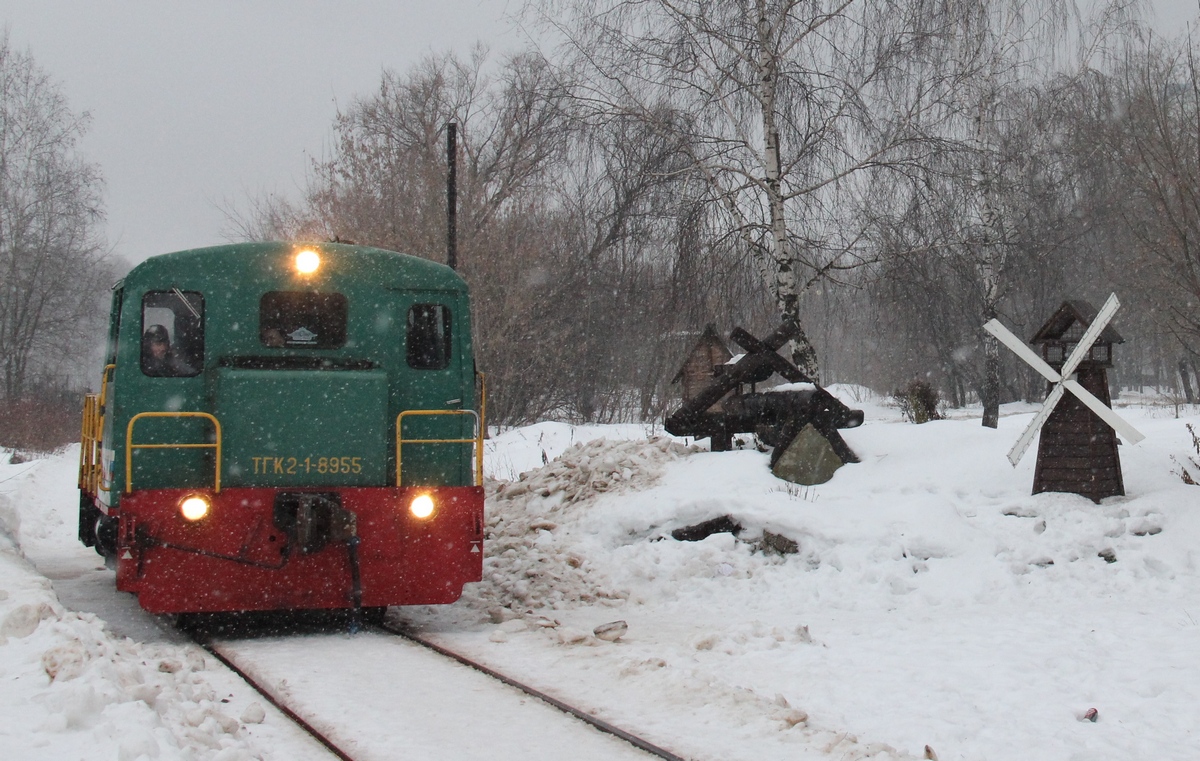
x=68 y=687
x=518 y=450
x=530 y=563
x=143 y=701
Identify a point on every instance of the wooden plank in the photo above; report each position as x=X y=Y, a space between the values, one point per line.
x=1074 y=477
x=1077 y=463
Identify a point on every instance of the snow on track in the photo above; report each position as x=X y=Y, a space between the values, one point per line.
x=380 y=697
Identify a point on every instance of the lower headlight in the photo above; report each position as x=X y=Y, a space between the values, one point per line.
x=194 y=508
x=422 y=506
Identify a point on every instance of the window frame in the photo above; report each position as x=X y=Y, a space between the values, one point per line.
x=195 y=358
x=341 y=330
x=446 y=337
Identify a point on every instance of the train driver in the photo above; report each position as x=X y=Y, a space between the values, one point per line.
x=157 y=357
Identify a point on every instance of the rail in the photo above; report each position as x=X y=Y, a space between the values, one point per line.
x=92 y=435
x=477 y=439
x=87 y=444
x=482 y=402
x=130 y=446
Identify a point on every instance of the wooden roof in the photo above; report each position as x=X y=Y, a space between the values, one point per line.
x=1075 y=310
x=709 y=340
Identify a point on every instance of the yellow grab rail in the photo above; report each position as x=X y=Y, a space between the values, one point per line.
x=130 y=446
x=104 y=384
x=92 y=435
x=477 y=440
x=87 y=446
x=482 y=405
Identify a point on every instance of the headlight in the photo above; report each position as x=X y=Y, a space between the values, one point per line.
x=307 y=261
x=422 y=506
x=194 y=508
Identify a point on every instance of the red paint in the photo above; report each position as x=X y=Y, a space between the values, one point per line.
x=404 y=560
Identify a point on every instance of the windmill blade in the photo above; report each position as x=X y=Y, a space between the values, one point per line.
x=1104 y=412
x=1019 y=348
x=1018 y=451
x=1103 y=317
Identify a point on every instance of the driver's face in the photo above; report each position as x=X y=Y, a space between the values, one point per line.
x=158 y=349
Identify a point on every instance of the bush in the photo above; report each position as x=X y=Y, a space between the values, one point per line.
x=918 y=401
x=41 y=423
x=1192 y=464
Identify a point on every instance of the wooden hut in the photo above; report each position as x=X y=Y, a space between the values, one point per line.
x=1077 y=452
x=704 y=361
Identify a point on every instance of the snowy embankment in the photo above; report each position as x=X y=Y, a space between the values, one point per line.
x=931 y=600
x=70 y=688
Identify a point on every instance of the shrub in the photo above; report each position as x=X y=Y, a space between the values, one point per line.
x=41 y=423
x=1192 y=461
x=918 y=401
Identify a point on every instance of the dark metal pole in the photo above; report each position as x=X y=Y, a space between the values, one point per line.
x=452 y=195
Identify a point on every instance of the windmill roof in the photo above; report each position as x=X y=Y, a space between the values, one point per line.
x=1074 y=310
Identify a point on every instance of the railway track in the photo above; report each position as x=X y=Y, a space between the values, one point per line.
x=267 y=695
x=587 y=718
x=292 y=687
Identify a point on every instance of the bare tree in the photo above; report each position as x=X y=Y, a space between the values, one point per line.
x=994 y=221
x=1144 y=118
x=51 y=255
x=778 y=101
x=588 y=253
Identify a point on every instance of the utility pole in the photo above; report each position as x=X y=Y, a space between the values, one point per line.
x=452 y=195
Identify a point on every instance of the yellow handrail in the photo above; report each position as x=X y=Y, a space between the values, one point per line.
x=130 y=446
x=482 y=405
x=98 y=432
x=92 y=435
x=104 y=384
x=86 y=447
x=477 y=440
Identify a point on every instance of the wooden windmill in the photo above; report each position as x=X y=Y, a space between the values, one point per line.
x=1078 y=449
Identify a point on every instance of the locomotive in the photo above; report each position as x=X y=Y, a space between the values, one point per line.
x=286 y=427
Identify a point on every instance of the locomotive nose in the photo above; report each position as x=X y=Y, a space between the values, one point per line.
x=303 y=428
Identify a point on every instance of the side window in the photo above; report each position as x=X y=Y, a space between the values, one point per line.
x=428 y=342
x=302 y=319
x=172 y=333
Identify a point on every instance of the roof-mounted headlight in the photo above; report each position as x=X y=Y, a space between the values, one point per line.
x=307 y=261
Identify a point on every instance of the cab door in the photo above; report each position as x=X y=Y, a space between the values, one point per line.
x=104 y=489
x=428 y=387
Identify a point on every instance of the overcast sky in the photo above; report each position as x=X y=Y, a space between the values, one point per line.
x=198 y=106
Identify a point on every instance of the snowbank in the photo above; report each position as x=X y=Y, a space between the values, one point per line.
x=71 y=689
x=932 y=599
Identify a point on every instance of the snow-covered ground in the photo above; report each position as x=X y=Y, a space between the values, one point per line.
x=932 y=602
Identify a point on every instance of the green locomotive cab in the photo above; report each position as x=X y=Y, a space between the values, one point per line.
x=296 y=401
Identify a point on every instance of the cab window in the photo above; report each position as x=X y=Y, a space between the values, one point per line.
x=428 y=341
x=172 y=333
x=302 y=319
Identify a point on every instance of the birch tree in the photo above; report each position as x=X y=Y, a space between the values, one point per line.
x=778 y=101
x=1008 y=49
